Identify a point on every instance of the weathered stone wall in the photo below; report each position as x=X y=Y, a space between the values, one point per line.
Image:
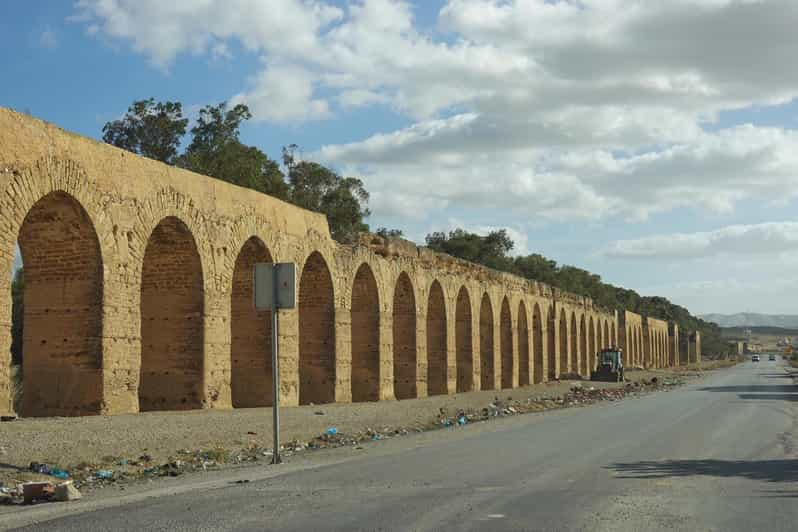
x=138 y=295
x=631 y=329
x=673 y=345
x=655 y=348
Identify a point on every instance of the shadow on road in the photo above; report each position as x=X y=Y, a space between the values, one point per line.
x=765 y=470
x=769 y=396
x=752 y=388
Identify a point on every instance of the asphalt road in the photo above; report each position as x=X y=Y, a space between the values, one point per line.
x=715 y=455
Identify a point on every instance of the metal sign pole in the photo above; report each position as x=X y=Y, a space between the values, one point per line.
x=276 y=459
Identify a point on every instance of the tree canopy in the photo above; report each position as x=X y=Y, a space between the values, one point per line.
x=156 y=129
x=150 y=129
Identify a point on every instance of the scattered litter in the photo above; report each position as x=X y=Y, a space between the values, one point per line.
x=66 y=491
x=11 y=417
x=318 y=413
x=104 y=474
x=332 y=431
x=252 y=433
x=242 y=481
x=35 y=491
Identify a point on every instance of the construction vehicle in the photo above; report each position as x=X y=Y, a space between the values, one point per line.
x=610 y=365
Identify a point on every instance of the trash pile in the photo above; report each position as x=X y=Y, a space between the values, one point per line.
x=118 y=471
x=39 y=491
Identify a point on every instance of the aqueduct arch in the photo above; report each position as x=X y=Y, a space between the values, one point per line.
x=404 y=338
x=463 y=341
x=63 y=295
x=506 y=344
x=523 y=346
x=365 y=336
x=436 y=342
x=537 y=345
x=317 y=368
x=250 y=333
x=487 y=380
x=172 y=320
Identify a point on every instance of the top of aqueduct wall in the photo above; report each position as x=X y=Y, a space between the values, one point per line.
x=26 y=140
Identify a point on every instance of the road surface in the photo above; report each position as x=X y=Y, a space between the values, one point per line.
x=718 y=454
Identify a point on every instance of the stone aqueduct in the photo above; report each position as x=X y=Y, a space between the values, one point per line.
x=138 y=297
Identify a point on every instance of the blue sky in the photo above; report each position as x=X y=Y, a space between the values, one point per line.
x=643 y=153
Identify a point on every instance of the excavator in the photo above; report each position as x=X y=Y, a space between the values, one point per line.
x=610 y=365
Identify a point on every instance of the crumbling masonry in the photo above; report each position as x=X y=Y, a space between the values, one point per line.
x=138 y=297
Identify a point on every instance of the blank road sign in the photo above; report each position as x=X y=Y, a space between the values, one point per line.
x=264 y=284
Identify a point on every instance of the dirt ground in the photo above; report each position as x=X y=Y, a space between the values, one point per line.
x=130 y=444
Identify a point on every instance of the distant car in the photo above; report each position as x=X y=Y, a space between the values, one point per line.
x=772 y=357
x=754 y=358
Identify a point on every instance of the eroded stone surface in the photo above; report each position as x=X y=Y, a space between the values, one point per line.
x=138 y=296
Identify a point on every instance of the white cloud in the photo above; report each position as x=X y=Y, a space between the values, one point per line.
x=283 y=93
x=554 y=110
x=770 y=239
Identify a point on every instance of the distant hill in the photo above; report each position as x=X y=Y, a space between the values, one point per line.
x=750 y=319
x=741 y=333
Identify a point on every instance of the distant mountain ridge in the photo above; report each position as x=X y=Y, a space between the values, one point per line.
x=751 y=319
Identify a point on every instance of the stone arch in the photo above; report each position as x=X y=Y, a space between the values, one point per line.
x=316 y=332
x=523 y=346
x=172 y=313
x=463 y=342
x=574 y=345
x=537 y=344
x=487 y=379
x=583 y=357
x=613 y=341
x=506 y=344
x=436 y=342
x=365 y=336
x=250 y=332
x=607 y=341
x=591 y=346
x=563 y=343
x=404 y=339
x=63 y=309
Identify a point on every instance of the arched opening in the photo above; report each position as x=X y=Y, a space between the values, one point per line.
x=404 y=339
x=506 y=344
x=563 y=344
x=316 y=333
x=465 y=353
x=582 y=367
x=574 y=345
x=250 y=333
x=607 y=341
x=172 y=308
x=591 y=347
x=487 y=378
x=58 y=328
x=639 y=348
x=523 y=346
x=537 y=344
x=613 y=341
x=436 y=342
x=365 y=337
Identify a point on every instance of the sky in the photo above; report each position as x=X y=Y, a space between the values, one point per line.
x=652 y=143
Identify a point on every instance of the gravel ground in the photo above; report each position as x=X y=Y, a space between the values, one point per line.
x=76 y=442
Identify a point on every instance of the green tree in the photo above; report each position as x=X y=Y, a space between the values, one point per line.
x=317 y=188
x=150 y=129
x=491 y=250
x=17 y=315
x=216 y=151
